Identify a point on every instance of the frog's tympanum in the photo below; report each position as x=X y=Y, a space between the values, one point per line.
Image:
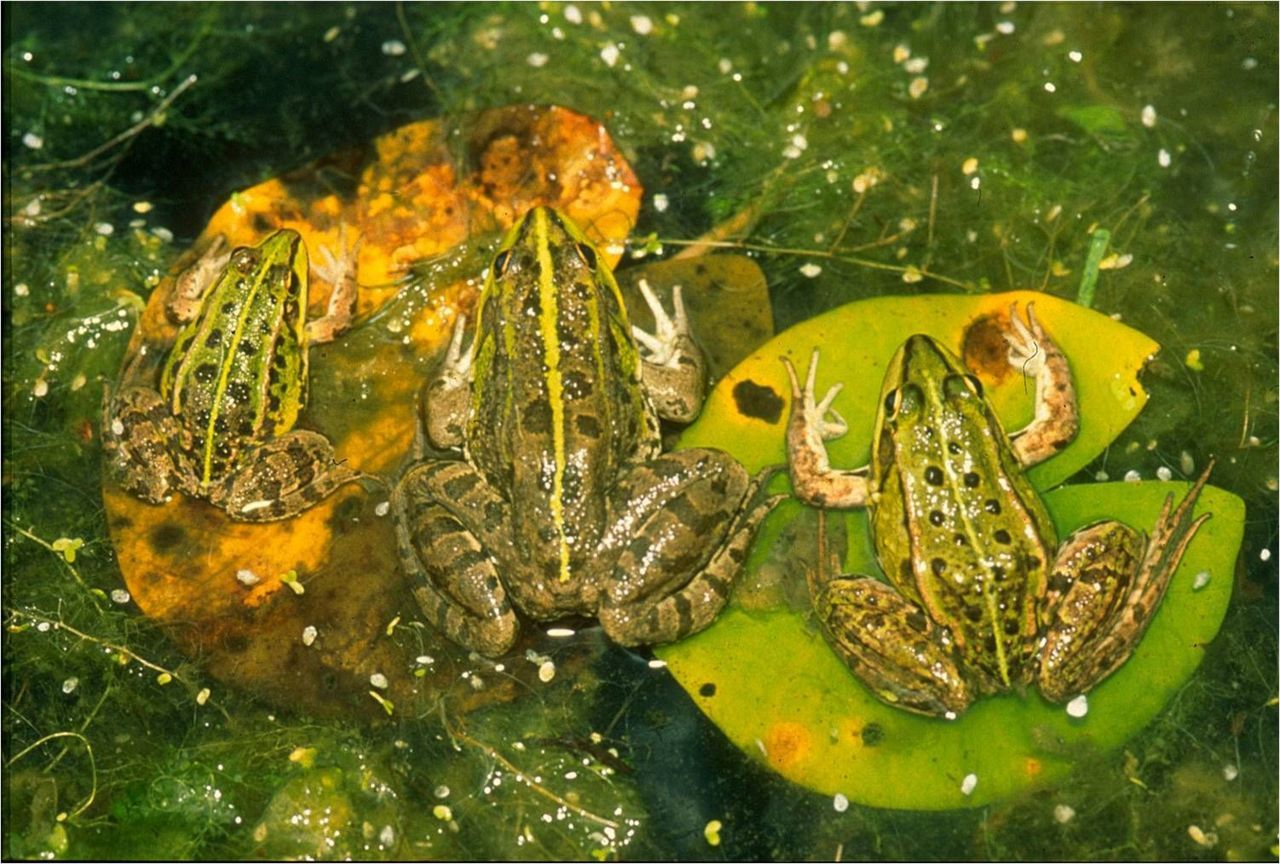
x=980 y=597
x=562 y=502
x=220 y=427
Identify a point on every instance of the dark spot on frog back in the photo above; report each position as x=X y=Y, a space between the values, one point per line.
x=757 y=400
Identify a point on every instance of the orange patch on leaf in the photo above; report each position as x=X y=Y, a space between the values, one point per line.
x=787 y=743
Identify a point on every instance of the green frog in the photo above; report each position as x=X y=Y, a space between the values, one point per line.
x=980 y=597
x=220 y=426
x=562 y=502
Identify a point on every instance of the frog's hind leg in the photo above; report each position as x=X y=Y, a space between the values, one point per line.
x=448 y=519
x=1105 y=587
x=138 y=432
x=691 y=516
x=281 y=478
x=890 y=645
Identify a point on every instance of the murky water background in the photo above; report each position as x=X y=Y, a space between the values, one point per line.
x=856 y=151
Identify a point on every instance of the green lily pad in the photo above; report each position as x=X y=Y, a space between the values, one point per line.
x=769 y=680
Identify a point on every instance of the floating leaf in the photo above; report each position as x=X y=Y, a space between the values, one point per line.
x=782 y=695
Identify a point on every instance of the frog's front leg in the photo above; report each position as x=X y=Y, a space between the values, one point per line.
x=340 y=272
x=1057 y=418
x=452 y=528
x=890 y=644
x=448 y=393
x=812 y=422
x=192 y=283
x=281 y=477
x=1104 y=589
x=683 y=523
x=674 y=371
x=138 y=433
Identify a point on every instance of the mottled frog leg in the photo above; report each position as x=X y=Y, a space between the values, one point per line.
x=674 y=370
x=1057 y=419
x=892 y=647
x=340 y=272
x=449 y=528
x=1104 y=589
x=138 y=432
x=814 y=480
x=192 y=283
x=448 y=393
x=281 y=478
x=683 y=524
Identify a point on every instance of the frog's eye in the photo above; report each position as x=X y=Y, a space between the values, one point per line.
x=244 y=259
x=587 y=254
x=500 y=262
x=961 y=386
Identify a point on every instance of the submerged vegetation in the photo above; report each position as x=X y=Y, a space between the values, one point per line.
x=854 y=151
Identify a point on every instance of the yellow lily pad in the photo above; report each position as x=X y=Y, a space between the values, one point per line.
x=771 y=683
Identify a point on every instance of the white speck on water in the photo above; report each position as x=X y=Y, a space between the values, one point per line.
x=22 y=290
x=117 y=426
x=1004 y=28
x=1248 y=64
x=106 y=229
x=573 y=14
x=661 y=202
x=547 y=671
x=968 y=784
x=901 y=52
x=1132 y=476
x=245 y=577
x=975 y=182
x=810 y=270
x=1163 y=158
x=1050 y=87
x=1075 y=57
x=70 y=685
x=1265 y=554
x=1163 y=473
x=120 y=596
x=387 y=836
x=377 y=679
x=441 y=791
x=840 y=803
x=393 y=48
x=642 y=24
x=916 y=65
x=969 y=166
x=950 y=715
x=1149 y=116
x=1063 y=813
x=655 y=663
x=32 y=141
x=163 y=234
x=41 y=388
x=537 y=59
x=382 y=508
x=203 y=696
x=609 y=54
x=560 y=632
x=917 y=87
x=725 y=65
x=424 y=660
x=1078 y=707
x=309 y=634
x=1229 y=772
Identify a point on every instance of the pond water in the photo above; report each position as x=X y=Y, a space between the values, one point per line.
x=1121 y=157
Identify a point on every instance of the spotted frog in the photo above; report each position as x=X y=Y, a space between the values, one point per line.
x=980 y=597
x=220 y=426
x=562 y=502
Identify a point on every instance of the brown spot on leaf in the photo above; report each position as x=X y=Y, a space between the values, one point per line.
x=757 y=400
x=984 y=349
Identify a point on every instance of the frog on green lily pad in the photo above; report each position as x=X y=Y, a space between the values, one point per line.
x=765 y=674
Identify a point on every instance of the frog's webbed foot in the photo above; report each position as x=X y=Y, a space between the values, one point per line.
x=444 y=408
x=281 y=478
x=1057 y=419
x=685 y=522
x=811 y=423
x=340 y=272
x=890 y=645
x=674 y=369
x=1104 y=589
x=455 y=578
x=137 y=432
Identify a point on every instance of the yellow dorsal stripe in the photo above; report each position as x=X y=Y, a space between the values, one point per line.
x=994 y=611
x=555 y=385
x=224 y=374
